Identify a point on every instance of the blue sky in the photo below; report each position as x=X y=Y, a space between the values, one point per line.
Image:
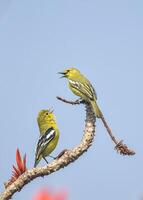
x=104 y=40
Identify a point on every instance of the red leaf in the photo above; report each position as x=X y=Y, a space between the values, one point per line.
x=16 y=171
x=20 y=169
x=24 y=163
x=19 y=161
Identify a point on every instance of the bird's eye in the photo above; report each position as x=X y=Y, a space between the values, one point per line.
x=46 y=113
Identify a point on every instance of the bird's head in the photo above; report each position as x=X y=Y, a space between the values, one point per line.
x=45 y=116
x=70 y=72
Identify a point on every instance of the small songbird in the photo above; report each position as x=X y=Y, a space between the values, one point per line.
x=81 y=87
x=49 y=135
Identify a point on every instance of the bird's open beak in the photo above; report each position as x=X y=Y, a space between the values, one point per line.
x=51 y=110
x=63 y=73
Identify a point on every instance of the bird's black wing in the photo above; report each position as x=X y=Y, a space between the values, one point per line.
x=44 y=140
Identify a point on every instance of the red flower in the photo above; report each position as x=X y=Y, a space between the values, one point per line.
x=47 y=195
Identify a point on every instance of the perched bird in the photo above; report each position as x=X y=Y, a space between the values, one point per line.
x=49 y=135
x=81 y=87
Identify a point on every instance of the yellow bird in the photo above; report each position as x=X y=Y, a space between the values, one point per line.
x=49 y=135
x=81 y=87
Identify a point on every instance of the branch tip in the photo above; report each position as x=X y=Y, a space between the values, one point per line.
x=76 y=102
x=123 y=149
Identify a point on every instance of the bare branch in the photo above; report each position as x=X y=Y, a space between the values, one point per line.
x=76 y=102
x=67 y=157
x=120 y=147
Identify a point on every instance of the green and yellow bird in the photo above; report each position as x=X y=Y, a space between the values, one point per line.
x=81 y=87
x=49 y=135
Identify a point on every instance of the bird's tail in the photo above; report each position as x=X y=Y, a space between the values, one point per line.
x=36 y=162
x=96 y=109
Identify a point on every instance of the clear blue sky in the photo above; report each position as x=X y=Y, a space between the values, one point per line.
x=104 y=39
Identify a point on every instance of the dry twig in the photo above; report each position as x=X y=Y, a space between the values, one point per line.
x=120 y=147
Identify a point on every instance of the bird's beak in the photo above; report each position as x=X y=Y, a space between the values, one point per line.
x=51 y=110
x=63 y=73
